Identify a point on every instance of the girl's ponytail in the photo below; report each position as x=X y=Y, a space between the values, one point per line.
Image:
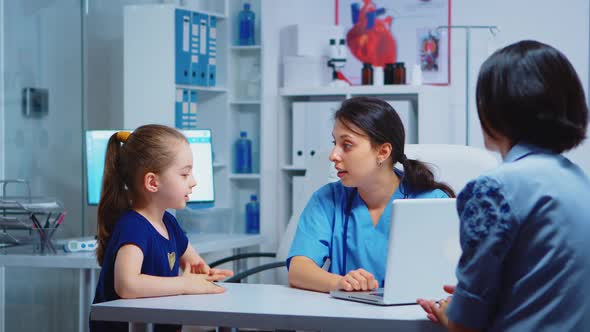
x=114 y=200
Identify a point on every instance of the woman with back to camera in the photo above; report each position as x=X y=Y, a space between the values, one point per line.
x=525 y=226
x=348 y=221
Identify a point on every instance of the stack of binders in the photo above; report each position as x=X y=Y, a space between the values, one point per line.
x=195 y=58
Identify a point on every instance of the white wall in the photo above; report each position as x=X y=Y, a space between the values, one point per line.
x=565 y=27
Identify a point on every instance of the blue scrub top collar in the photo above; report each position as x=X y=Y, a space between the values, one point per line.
x=522 y=150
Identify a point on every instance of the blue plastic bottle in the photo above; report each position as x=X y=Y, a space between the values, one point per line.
x=247 y=19
x=243 y=154
x=253 y=216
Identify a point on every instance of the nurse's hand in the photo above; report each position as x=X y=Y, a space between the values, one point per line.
x=358 y=280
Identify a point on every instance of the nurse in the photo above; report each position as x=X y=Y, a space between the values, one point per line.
x=347 y=222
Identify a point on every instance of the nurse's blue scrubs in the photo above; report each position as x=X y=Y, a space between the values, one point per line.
x=321 y=229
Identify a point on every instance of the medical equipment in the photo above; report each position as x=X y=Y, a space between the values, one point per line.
x=80 y=245
x=337 y=61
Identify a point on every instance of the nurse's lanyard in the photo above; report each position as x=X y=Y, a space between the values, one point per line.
x=347 y=212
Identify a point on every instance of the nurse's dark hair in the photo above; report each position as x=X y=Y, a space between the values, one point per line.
x=128 y=158
x=529 y=92
x=380 y=122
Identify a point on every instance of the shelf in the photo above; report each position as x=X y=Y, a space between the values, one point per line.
x=245 y=48
x=235 y=176
x=215 y=89
x=245 y=102
x=357 y=90
x=219 y=165
x=291 y=168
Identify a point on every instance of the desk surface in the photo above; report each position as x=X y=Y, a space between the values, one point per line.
x=203 y=243
x=265 y=306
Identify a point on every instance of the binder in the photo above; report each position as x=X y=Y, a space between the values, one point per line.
x=318 y=127
x=406 y=112
x=212 y=51
x=203 y=56
x=312 y=130
x=192 y=112
x=299 y=132
x=182 y=22
x=194 y=49
x=181 y=108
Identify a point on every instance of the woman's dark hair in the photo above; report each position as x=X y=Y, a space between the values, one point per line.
x=128 y=158
x=381 y=123
x=530 y=93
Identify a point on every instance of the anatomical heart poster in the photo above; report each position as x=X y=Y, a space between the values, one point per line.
x=388 y=31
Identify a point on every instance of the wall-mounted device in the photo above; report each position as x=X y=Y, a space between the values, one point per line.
x=35 y=102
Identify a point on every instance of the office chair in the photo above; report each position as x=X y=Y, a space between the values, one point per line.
x=453 y=164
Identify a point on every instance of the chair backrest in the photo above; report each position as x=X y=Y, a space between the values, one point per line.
x=452 y=164
x=320 y=171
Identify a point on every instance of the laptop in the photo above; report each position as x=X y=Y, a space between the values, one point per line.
x=423 y=253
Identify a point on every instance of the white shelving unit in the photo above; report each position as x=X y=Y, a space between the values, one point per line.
x=245 y=108
x=149 y=91
x=424 y=101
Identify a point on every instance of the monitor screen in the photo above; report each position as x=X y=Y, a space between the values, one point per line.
x=200 y=144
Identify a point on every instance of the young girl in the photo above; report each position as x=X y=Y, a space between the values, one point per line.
x=348 y=221
x=525 y=226
x=140 y=245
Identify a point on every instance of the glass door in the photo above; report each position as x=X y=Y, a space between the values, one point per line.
x=41 y=126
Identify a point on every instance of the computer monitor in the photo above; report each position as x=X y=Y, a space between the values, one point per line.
x=203 y=194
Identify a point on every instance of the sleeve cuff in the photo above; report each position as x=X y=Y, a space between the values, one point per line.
x=468 y=310
x=313 y=250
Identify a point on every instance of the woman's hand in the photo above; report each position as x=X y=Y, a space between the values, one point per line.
x=436 y=312
x=357 y=280
x=199 y=283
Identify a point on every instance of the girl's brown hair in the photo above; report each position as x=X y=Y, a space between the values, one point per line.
x=128 y=159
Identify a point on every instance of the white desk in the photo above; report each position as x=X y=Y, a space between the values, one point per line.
x=264 y=306
x=86 y=264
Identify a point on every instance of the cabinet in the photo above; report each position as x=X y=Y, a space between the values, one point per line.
x=227 y=106
x=418 y=107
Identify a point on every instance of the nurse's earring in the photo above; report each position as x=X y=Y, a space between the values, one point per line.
x=379 y=162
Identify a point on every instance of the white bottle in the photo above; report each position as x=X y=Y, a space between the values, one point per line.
x=377 y=76
x=417 y=75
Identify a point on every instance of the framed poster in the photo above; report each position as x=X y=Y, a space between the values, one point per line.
x=388 y=31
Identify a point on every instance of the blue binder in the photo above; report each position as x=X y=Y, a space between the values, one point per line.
x=212 y=51
x=194 y=49
x=203 y=56
x=181 y=107
x=182 y=23
x=192 y=111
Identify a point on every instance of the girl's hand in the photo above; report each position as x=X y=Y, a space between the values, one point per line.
x=219 y=274
x=200 y=267
x=357 y=280
x=199 y=283
x=436 y=312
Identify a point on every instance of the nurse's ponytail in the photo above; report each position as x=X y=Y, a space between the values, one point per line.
x=379 y=120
